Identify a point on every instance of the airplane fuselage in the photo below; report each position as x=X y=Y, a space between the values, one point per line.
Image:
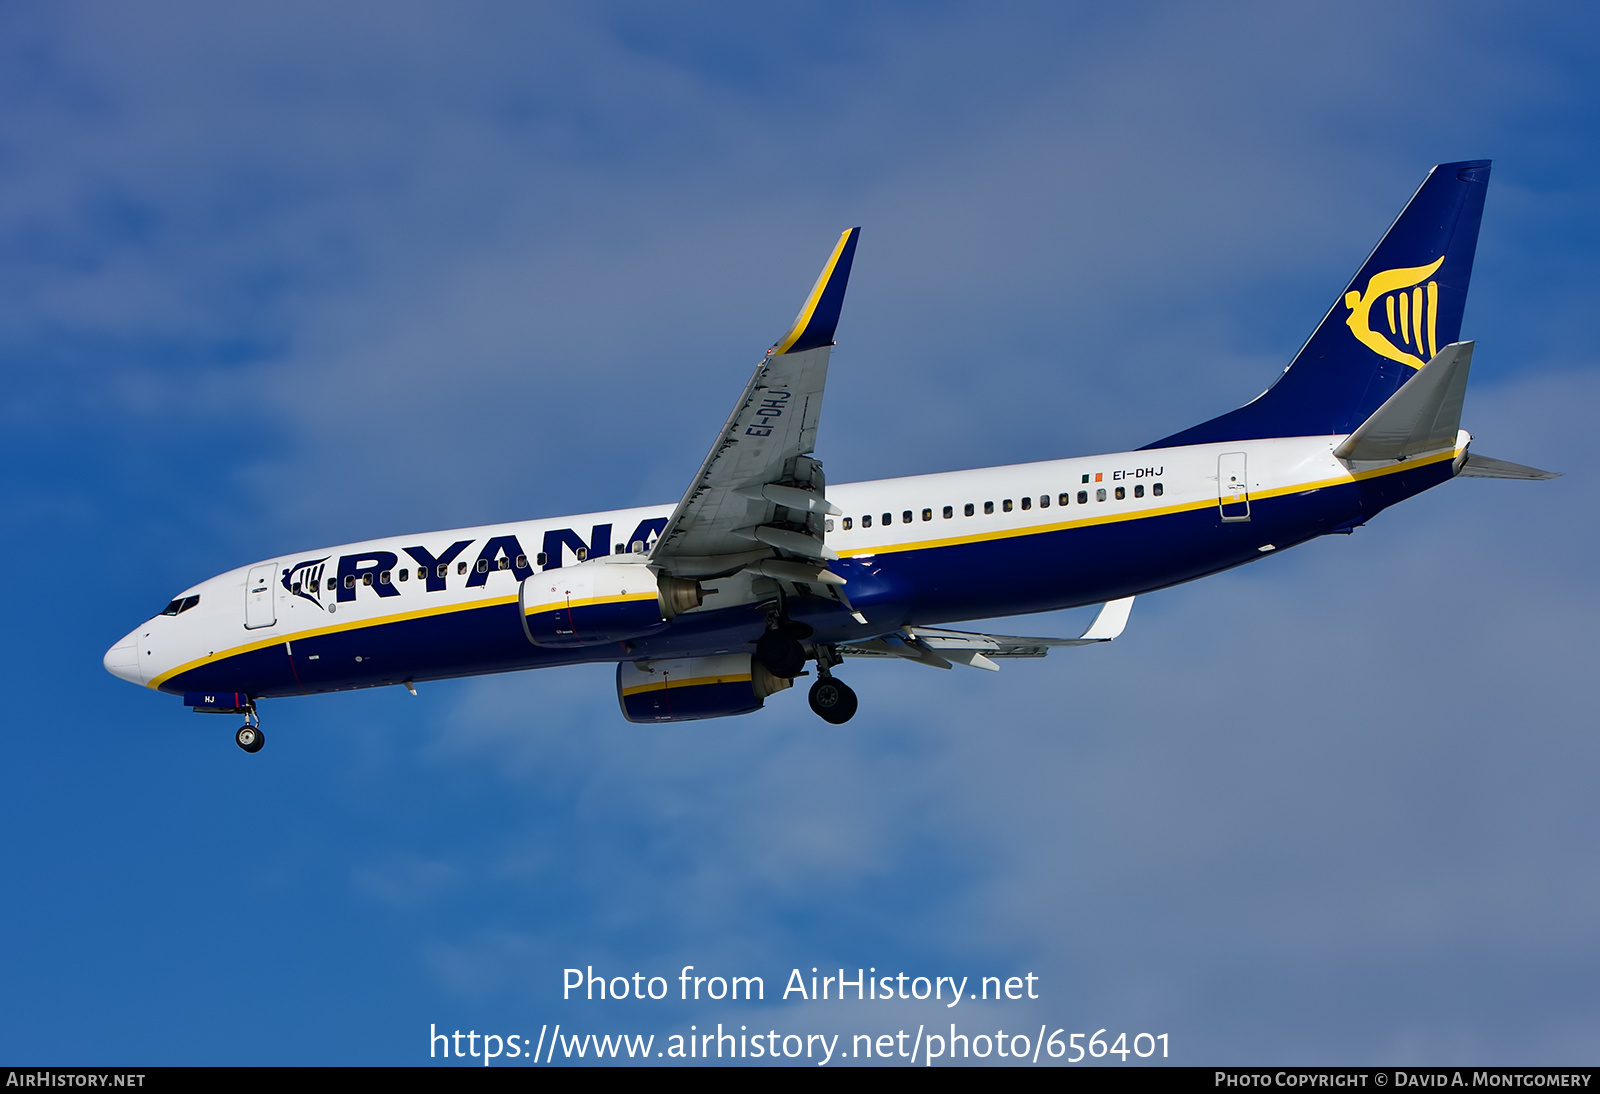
x=922 y=550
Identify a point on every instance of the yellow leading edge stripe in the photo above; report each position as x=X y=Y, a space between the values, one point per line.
x=803 y=320
x=919 y=545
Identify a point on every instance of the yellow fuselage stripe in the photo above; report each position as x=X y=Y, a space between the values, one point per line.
x=1135 y=514
x=317 y=632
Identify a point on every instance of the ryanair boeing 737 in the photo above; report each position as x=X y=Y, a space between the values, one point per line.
x=709 y=606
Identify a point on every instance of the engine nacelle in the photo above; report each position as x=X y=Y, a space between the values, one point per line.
x=590 y=604
x=686 y=689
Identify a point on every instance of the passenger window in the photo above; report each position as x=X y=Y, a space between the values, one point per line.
x=827 y=525
x=333 y=583
x=927 y=514
x=1044 y=501
x=1156 y=490
x=540 y=558
x=847 y=523
x=503 y=564
x=1122 y=493
x=905 y=518
x=949 y=511
x=442 y=569
x=988 y=508
x=483 y=565
x=1100 y=494
x=383 y=578
x=1027 y=503
x=405 y=575
x=1006 y=505
x=522 y=560
x=1083 y=497
x=1138 y=491
x=350 y=580
x=583 y=554
x=968 y=509
x=888 y=519
x=637 y=546
x=1064 y=498
x=461 y=567
x=866 y=520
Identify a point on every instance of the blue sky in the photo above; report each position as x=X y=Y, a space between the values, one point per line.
x=279 y=276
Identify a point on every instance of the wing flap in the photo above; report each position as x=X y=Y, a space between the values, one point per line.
x=938 y=647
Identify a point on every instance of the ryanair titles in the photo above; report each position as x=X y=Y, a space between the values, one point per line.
x=325 y=581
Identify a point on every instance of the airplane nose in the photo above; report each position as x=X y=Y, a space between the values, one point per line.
x=122 y=660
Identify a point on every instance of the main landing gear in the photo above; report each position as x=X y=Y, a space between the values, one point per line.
x=782 y=653
x=249 y=736
x=832 y=700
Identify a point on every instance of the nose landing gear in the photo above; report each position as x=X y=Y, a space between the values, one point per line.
x=249 y=736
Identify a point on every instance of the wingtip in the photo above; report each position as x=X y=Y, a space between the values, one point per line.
x=819 y=315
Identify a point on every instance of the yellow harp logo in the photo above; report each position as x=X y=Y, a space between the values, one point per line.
x=1411 y=307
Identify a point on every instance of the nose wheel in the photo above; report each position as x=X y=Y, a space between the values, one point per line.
x=833 y=701
x=249 y=736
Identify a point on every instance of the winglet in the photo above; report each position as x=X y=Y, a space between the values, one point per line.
x=819 y=316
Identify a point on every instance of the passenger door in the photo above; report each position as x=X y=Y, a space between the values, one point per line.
x=259 y=597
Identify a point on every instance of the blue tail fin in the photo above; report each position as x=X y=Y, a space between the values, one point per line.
x=1404 y=304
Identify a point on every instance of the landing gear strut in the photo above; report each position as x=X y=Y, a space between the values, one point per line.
x=249 y=736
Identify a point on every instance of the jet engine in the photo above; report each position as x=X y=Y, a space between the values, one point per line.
x=686 y=689
x=600 y=601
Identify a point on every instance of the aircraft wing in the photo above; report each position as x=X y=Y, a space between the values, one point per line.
x=939 y=648
x=759 y=497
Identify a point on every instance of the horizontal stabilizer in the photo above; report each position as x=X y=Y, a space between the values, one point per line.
x=1487 y=467
x=1423 y=416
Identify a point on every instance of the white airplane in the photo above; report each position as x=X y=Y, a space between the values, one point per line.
x=712 y=605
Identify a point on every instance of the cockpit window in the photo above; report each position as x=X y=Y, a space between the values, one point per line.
x=180 y=605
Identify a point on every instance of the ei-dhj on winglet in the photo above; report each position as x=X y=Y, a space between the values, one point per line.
x=819 y=316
